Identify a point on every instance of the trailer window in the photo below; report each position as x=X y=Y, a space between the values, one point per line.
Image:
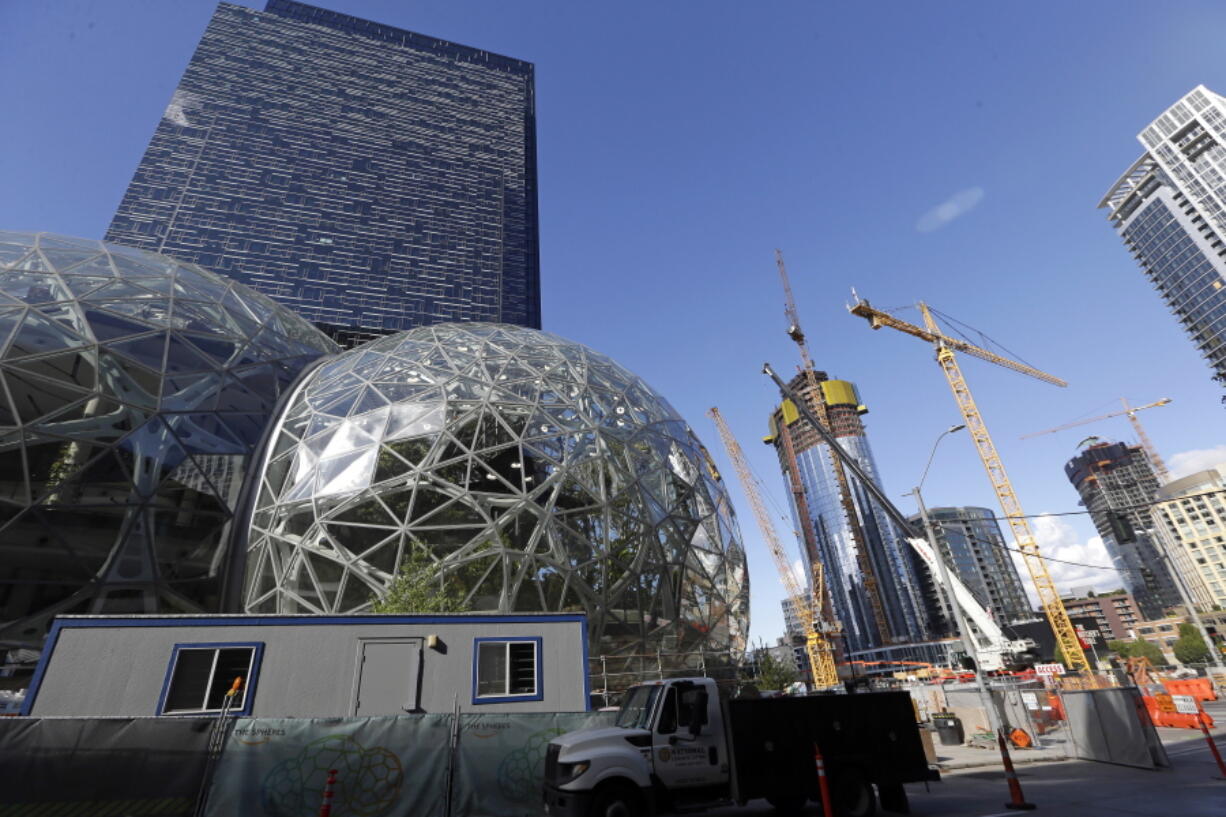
x=636 y=711
x=200 y=675
x=507 y=670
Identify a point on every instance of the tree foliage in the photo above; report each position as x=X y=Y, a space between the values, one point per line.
x=773 y=673
x=1191 y=647
x=1139 y=648
x=418 y=588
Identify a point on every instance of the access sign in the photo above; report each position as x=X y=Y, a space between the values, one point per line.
x=1185 y=704
x=1049 y=669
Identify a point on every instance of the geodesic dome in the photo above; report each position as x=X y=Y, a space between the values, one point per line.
x=541 y=473
x=133 y=390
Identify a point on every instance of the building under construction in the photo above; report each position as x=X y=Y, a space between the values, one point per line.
x=871 y=583
x=1117 y=485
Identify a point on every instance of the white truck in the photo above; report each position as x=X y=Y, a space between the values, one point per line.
x=677 y=744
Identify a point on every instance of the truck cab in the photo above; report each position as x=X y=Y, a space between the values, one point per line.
x=677 y=744
x=668 y=747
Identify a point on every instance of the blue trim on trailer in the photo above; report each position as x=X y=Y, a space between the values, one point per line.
x=587 y=676
x=248 y=687
x=253 y=621
x=538 y=641
x=41 y=670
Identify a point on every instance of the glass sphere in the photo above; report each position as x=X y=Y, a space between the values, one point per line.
x=135 y=390
x=539 y=474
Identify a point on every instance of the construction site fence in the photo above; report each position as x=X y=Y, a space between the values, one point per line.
x=435 y=765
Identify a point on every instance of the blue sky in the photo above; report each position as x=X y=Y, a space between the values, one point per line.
x=951 y=152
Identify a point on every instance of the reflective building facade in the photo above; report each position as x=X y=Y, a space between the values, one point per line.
x=1170 y=210
x=540 y=473
x=135 y=390
x=972 y=546
x=1112 y=477
x=370 y=178
x=845 y=565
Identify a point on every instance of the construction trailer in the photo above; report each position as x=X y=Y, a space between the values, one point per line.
x=303 y=666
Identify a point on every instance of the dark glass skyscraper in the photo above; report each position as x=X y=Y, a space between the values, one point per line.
x=1118 y=480
x=972 y=545
x=370 y=178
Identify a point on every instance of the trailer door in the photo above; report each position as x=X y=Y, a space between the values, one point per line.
x=387 y=676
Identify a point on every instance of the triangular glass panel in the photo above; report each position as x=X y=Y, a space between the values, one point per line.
x=369 y=512
x=67 y=242
x=108 y=325
x=13 y=253
x=32 y=263
x=140 y=265
x=33 y=288
x=82 y=285
x=38 y=335
x=182 y=357
x=62 y=259
x=147 y=350
x=219 y=349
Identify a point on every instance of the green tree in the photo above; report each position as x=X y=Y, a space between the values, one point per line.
x=1139 y=648
x=773 y=673
x=419 y=589
x=1191 y=647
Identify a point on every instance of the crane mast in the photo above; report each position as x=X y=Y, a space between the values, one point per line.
x=846 y=500
x=809 y=607
x=1146 y=444
x=1049 y=596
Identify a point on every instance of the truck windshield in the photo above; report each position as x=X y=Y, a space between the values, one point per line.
x=636 y=711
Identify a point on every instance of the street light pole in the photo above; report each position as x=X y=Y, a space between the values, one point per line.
x=960 y=624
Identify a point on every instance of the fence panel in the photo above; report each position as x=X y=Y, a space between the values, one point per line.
x=386 y=767
x=151 y=767
x=501 y=758
x=1111 y=726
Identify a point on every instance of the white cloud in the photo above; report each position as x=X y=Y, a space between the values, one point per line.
x=1198 y=459
x=959 y=204
x=1058 y=540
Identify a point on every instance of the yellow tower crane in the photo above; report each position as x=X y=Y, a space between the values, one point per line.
x=846 y=501
x=1049 y=596
x=817 y=629
x=1148 y=446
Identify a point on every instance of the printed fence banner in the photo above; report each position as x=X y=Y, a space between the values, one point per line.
x=145 y=767
x=386 y=767
x=500 y=762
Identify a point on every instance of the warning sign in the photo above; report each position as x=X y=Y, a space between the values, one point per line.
x=1185 y=704
x=1049 y=669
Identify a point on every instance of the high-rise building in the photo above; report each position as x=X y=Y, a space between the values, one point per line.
x=851 y=572
x=973 y=548
x=370 y=178
x=1170 y=209
x=1192 y=521
x=1116 y=483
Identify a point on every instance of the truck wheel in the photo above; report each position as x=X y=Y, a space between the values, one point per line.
x=616 y=800
x=852 y=794
x=787 y=803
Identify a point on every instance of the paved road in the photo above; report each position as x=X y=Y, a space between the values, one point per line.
x=1190 y=788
